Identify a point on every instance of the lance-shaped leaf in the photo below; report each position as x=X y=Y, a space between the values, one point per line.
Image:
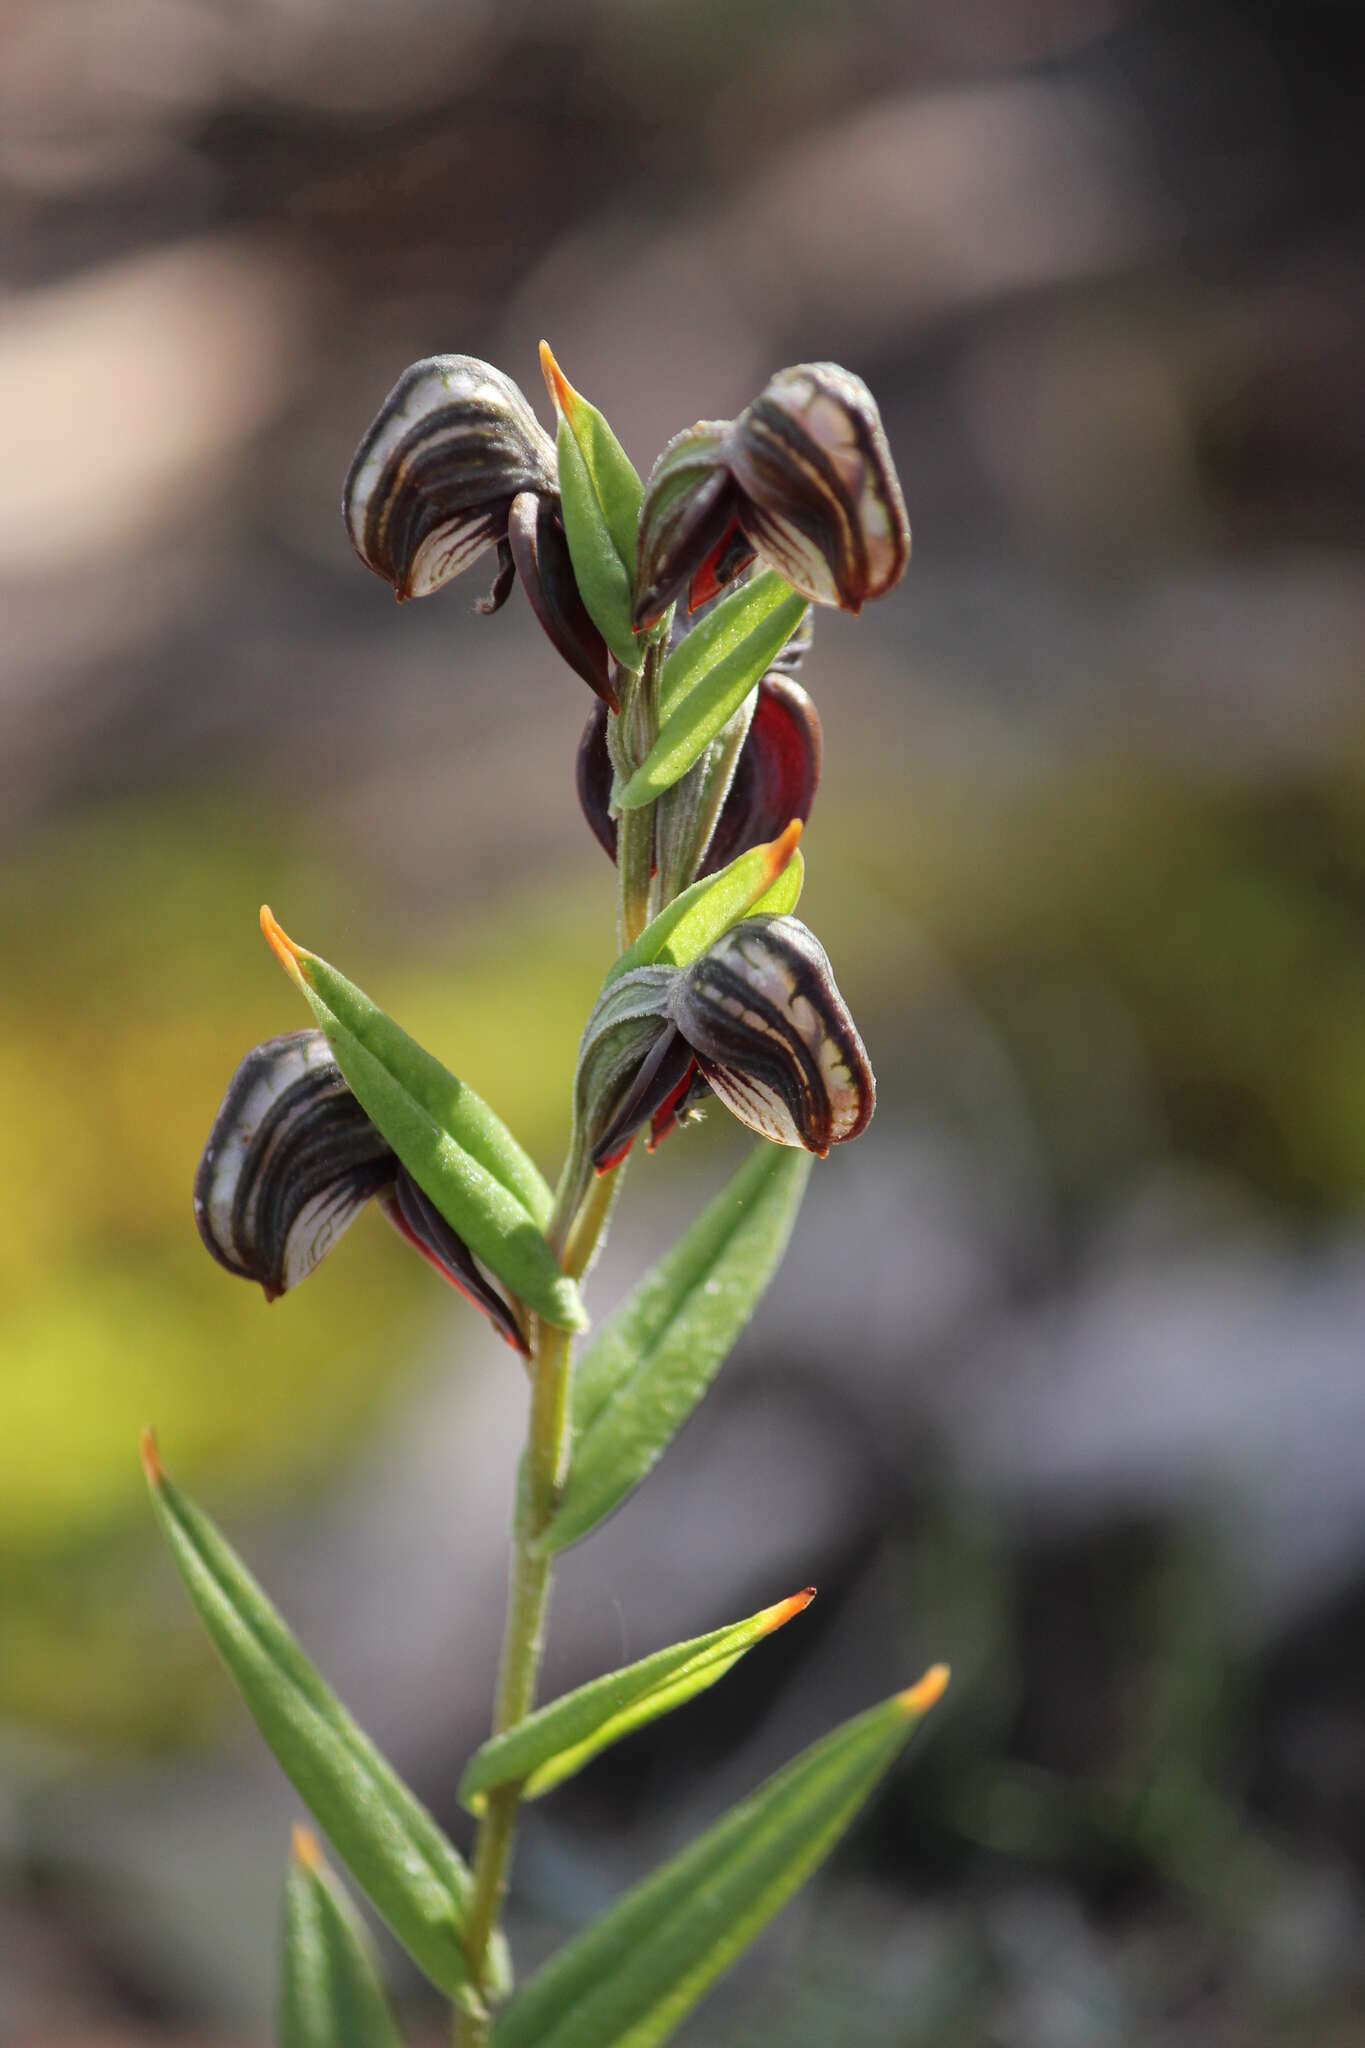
x=557 y=1741
x=600 y=494
x=331 y=1993
x=651 y=1364
x=389 y=1842
x=707 y=678
x=631 y=1979
x=460 y=1154
x=756 y=884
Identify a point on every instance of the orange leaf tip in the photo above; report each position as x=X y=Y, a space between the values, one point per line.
x=786 y=1610
x=151 y=1460
x=303 y=1844
x=781 y=849
x=281 y=945
x=917 y=1699
x=557 y=384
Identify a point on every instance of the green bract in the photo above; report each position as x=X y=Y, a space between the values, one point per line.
x=452 y=1144
x=707 y=678
x=600 y=493
x=765 y=880
x=331 y=1995
x=629 y=1981
x=389 y=1843
x=650 y=1365
x=555 y=1743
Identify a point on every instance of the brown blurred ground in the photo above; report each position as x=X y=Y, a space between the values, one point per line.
x=1064 y=1382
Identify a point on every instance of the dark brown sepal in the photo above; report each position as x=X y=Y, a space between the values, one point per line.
x=535 y=533
x=682 y=1107
x=501 y=588
x=732 y=554
x=688 y=514
x=593 y=775
x=421 y=1224
x=665 y=1071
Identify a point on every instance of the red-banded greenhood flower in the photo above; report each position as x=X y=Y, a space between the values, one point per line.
x=758 y=1020
x=291 y=1161
x=455 y=462
x=803 y=478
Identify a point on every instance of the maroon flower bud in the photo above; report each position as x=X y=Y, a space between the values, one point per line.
x=775 y=779
x=291 y=1161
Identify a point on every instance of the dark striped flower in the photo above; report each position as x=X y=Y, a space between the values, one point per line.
x=291 y=1161
x=758 y=1020
x=803 y=478
x=454 y=463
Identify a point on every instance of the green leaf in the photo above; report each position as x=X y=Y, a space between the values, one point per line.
x=632 y=1978
x=767 y=880
x=331 y=1994
x=390 y=1844
x=558 y=1740
x=707 y=678
x=451 y=1142
x=639 y=1381
x=600 y=494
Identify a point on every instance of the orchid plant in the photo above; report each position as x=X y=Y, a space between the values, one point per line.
x=685 y=607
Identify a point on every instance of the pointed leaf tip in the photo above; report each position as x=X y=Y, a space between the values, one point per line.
x=778 y=1616
x=917 y=1699
x=281 y=945
x=781 y=849
x=557 y=1740
x=561 y=391
x=151 y=1460
x=304 y=1848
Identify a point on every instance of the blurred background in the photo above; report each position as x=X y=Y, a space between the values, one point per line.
x=1063 y=1380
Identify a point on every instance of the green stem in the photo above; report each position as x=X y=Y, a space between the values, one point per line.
x=543 y=1472
x=635 y=829
x=574 y=1232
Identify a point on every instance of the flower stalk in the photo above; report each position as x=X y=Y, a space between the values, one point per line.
x=696 y=773
x=544 y=1469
